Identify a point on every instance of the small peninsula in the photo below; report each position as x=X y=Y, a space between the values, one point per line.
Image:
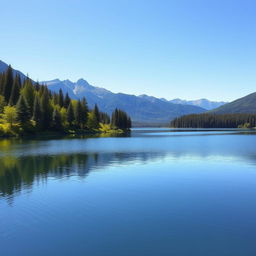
x=29 y=108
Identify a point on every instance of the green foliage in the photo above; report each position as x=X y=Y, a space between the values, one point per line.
x=104 y=118
x=70 y=114
x=120 y=120
x=208 y=120
x=37 y=113
x=10 y=115
x=2 y=103
x=63 y=115
x=15 y=93
x=46 y=110
x=60 y=99
x=78 y=114
x=96 y=113
x=67 y=101
x=32 y=107
x=8 y=130
x=92 y=121
x=7 y=84
x=56 y=118
x=246 y=126
x=22 y=109
x=84 y=116
x=28 y=91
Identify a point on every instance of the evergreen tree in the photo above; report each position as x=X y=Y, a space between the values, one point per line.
x=22 y=109
x=56 y=118
x=37 y=86
x=70 y=114
x=84 y=116
x=2 y=83
x=37 y=114
x=2 y=103
x=7 y=83
x=55 y=99
x=41 y=90
x=67 y=101
x=28 y=91
x=92 y=122
x=10 y=114
x=78 y=113
x=96 y=113
x=120 y=120
x=104 y=118
x=46 y=110
x=61 y=99
x=209 y=120
x=15 y=93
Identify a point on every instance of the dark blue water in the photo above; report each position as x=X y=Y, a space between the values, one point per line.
x=156 y=192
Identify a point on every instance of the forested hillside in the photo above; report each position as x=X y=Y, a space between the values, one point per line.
x=245 y=104
x=208 y=120
x=27 y=107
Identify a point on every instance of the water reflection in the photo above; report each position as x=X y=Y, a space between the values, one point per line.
x=24 y=162
x=19 y=173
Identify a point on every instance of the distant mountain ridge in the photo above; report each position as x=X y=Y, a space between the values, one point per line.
x=203 y=103
x=4 y=66
x=246 y=104
x=142 y=109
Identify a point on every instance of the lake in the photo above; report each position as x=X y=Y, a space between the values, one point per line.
x=154 y=192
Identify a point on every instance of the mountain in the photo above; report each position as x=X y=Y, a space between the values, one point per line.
x=142 y=109
x=245 y=104
x=203 y=103
x=4 y=66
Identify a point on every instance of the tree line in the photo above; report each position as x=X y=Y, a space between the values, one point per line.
x=26 y=106
x=209 y=120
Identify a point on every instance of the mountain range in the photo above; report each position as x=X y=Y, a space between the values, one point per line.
x=246 y=104
x=143 y=109
x=4 y=66
x=203 y=103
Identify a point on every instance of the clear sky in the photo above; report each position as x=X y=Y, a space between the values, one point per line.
x=175 y=48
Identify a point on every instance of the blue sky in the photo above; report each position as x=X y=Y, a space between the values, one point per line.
x=187 y=49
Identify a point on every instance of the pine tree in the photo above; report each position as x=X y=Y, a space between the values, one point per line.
x=28 y=91
x=78 y=113
x=56 y=120
x=7 y=83
x=10 y=114
x=37 y=114
x=96 y=113
x=67 y=101
x=2 y=103
x=55 y=99
x=70 y=114
x=22 y=109
x=60 y=99
x=15 y=91
x=92 y=122
x=46 y=109
x=84 y=116
x=2 y=80
x=120 y=120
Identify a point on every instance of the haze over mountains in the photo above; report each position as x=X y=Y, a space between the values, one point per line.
x=142 y=109
x=203 y=103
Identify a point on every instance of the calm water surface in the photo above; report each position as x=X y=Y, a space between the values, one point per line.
x=156 y=192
